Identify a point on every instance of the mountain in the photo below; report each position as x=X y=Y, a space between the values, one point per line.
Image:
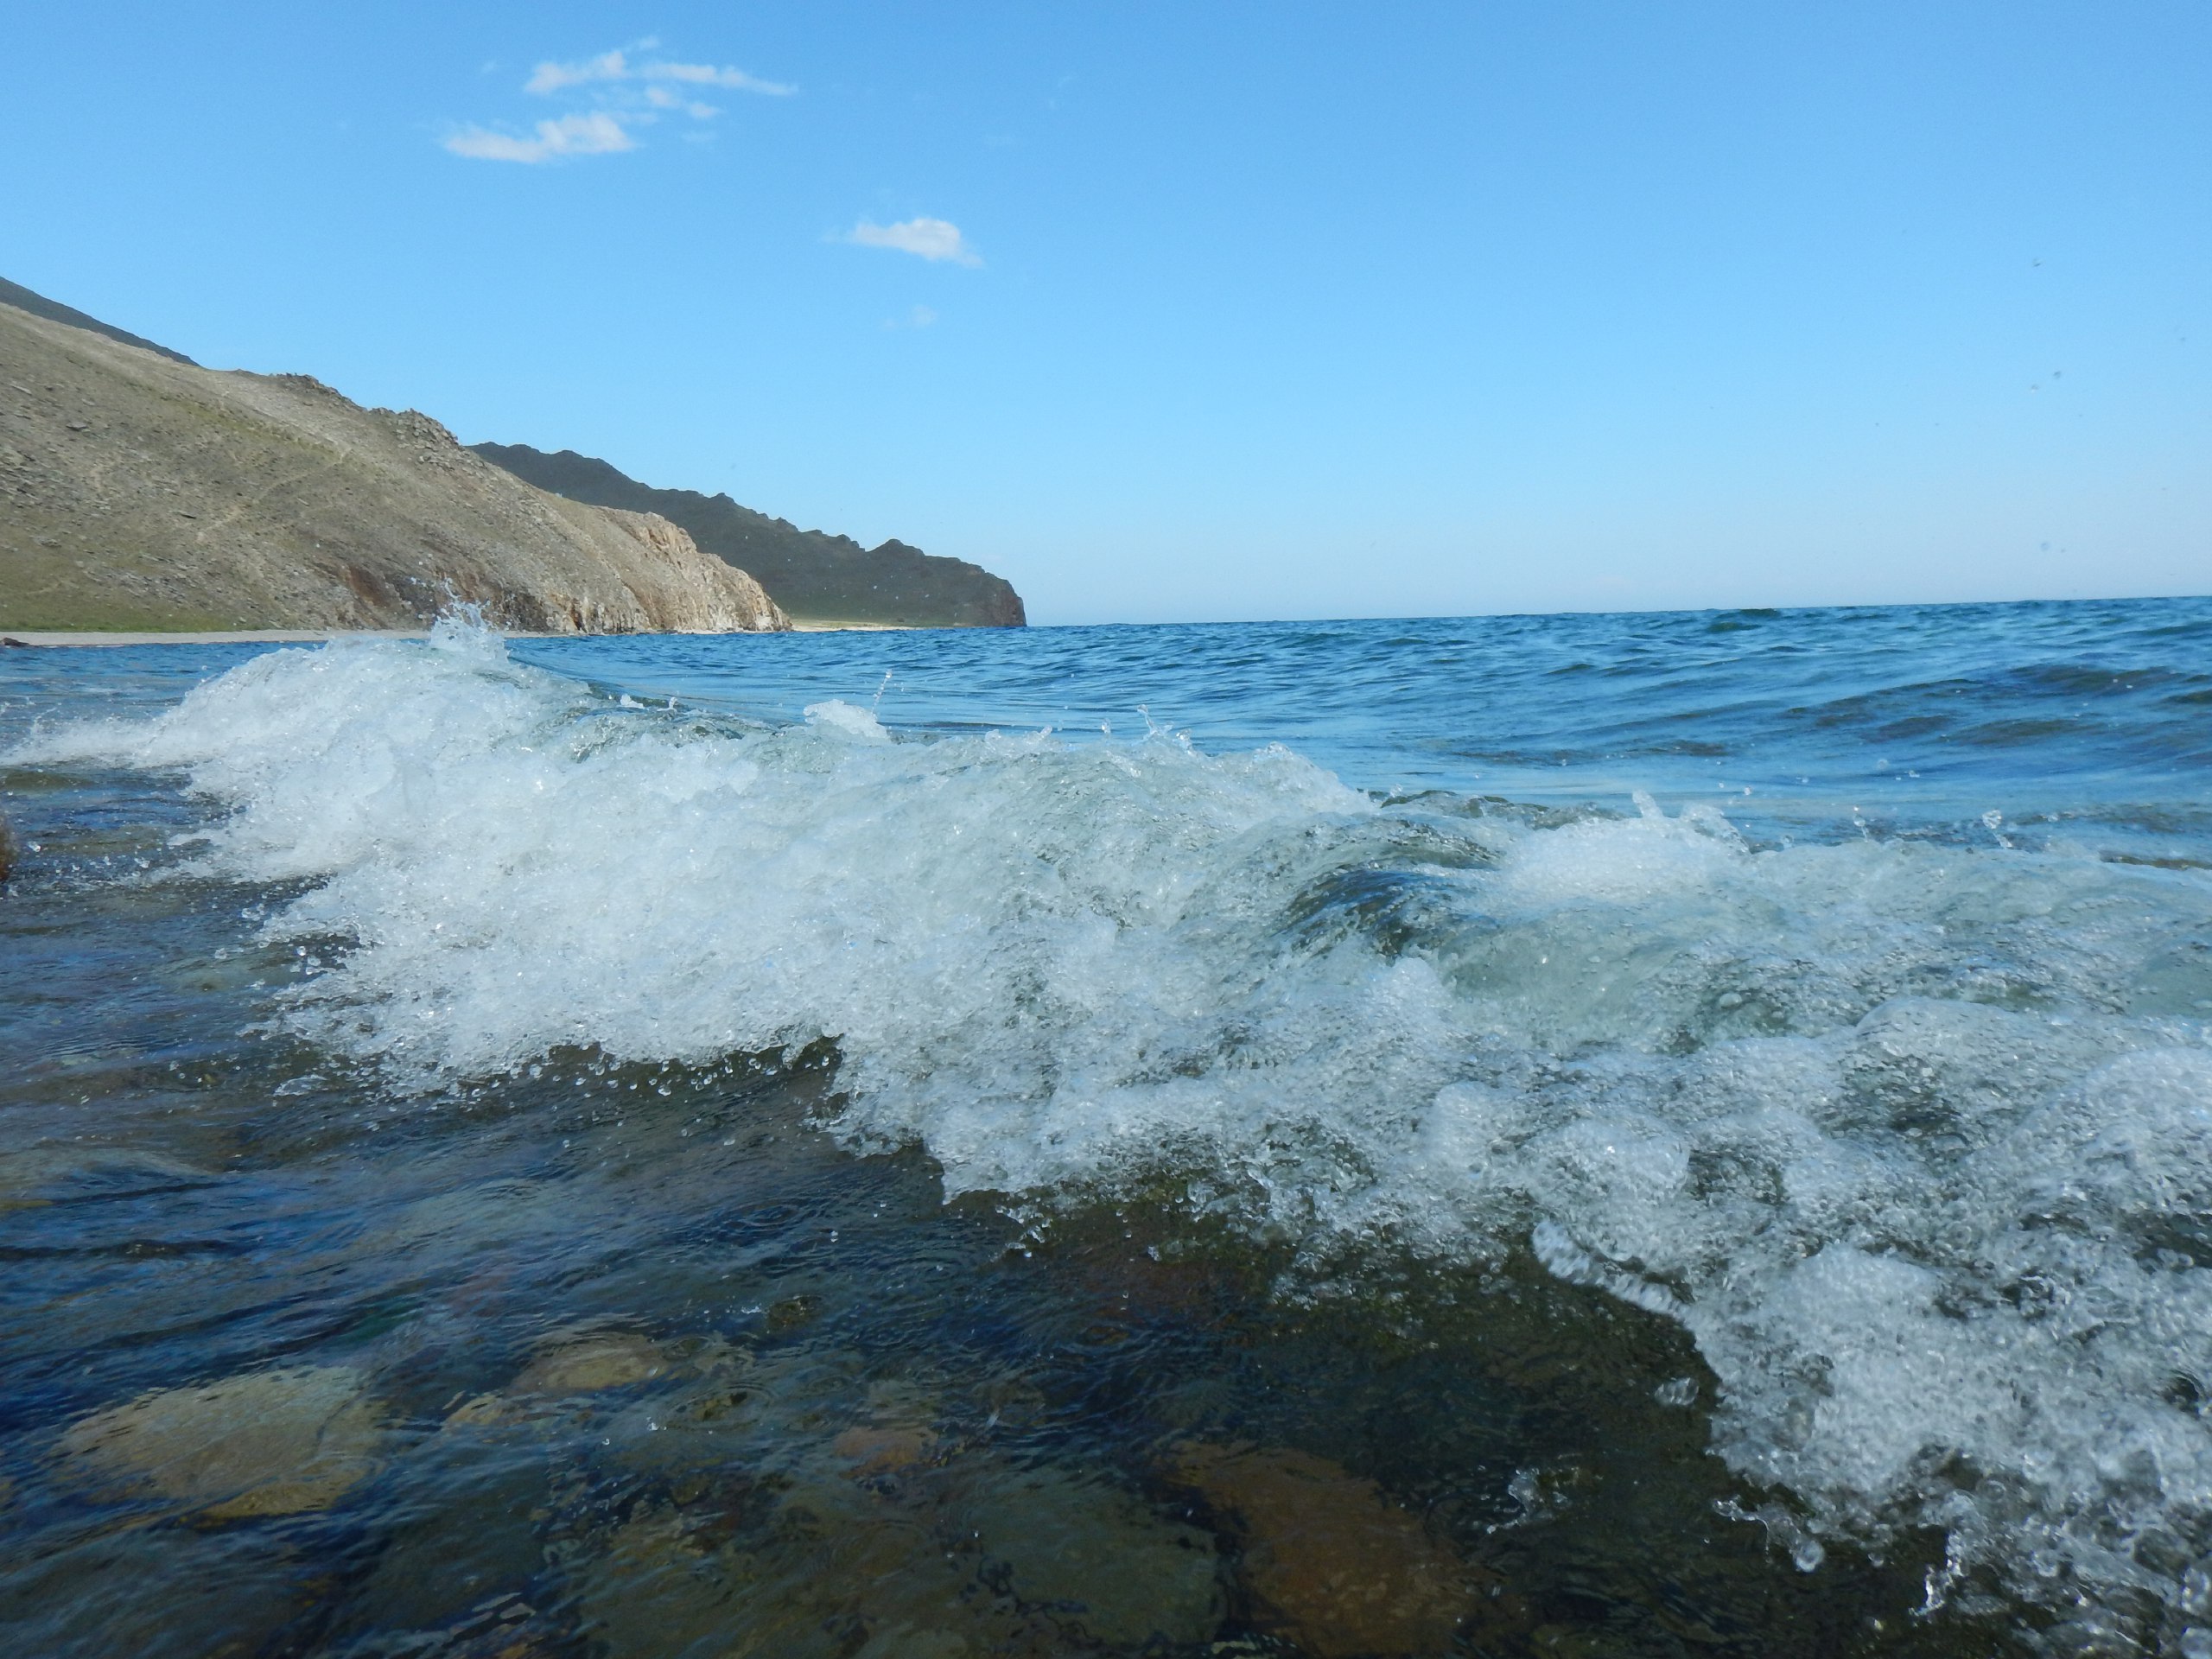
x=38 y=305
x=139 y=490
x=815 y=576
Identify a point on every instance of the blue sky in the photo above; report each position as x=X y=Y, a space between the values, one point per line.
x=1213 y=311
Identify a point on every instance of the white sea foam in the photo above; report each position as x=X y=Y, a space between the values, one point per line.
x=1915 y=1141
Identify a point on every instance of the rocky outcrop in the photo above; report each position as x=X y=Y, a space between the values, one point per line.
x=139 y=491
x=816 y=576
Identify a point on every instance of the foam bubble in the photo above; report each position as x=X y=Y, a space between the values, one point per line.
x=1913 y=1139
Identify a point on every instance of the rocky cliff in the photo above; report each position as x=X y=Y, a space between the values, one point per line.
x=816 y=576
x=139 y=491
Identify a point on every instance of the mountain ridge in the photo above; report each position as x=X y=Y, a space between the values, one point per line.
x=780 y=571
x=38 y=305
x=139 y=490
x=814 y=575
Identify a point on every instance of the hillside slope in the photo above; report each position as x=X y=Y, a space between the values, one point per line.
x=815 y=576
x=38 y=305
x=137 y=490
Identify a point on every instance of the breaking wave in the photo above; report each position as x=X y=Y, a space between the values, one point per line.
x=1914 y=1139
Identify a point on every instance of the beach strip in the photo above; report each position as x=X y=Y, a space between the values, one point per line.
x=316 y=636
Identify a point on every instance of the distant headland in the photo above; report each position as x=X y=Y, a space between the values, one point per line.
x=142 y=492
x=818 y=578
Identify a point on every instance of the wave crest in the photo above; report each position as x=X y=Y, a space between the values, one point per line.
x=1911 y=1138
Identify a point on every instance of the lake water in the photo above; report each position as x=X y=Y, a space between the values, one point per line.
x=1588 y=1135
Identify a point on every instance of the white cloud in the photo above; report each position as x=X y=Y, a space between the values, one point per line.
x=617 y=66
x=595 y=134
x=705 y=74
x=552 y=77
x=623 y=96
x=661 y=99
x=929 y=238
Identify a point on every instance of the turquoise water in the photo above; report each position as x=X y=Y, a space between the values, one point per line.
x=1591 y=1134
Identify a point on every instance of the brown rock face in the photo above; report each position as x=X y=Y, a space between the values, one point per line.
x=1331 y=1564
x=140 y=492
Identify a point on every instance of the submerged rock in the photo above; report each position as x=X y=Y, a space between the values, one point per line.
x=441 y=1562
x=894 y=1435
x=664 y=1404
x=9 y=849
x=268 y=1443
x=589 y=1360
x=1097 y=1559
x=871 y=1449
x=883 y=1540
x=1330 y=1563
x=822 y=1577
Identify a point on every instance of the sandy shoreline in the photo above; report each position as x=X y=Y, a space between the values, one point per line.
x=315 y=636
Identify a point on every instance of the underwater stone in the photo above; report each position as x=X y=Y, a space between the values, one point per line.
x=906 y=1642
x=268 y=1443
x=586 y=1362
x=880 y=1451
x=826 y=1574
x=1334 y=1565
x=1094 y=1557
x=445 y=1562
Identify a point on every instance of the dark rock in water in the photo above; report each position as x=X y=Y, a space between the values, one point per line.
x=463 y=1567
x=9 y=849
x=7 y=640
x=1331 y=1564
x=828 y=1575
x=1097 y=1559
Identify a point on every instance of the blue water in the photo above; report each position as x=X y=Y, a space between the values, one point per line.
x=2099 y=711
x=1631 y=1135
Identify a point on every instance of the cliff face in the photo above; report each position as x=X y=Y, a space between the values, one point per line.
x=137 y=490
x=817 y=577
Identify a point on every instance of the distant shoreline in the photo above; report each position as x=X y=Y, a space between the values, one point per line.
x=241 y=637
x=317 y=636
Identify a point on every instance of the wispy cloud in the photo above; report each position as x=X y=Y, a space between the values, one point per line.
x=616 y=66
x=929 y=239
x=552 y=77
x=595 y=134
x=624 y=94
x=661 y=99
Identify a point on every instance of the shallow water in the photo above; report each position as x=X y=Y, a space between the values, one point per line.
x=1595 y=1135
